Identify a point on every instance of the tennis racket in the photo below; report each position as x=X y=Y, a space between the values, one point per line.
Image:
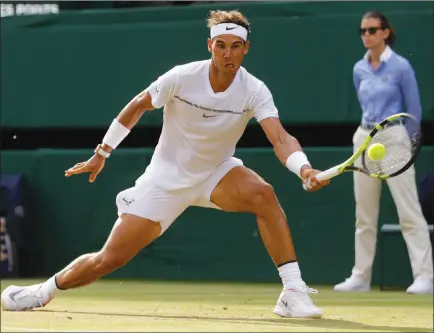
x=400 y=134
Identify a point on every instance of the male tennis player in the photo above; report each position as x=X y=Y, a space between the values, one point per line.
x=207 y=105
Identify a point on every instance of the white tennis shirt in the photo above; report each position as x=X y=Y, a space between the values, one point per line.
x=201 y=128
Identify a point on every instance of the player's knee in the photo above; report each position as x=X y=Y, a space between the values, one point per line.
x=108 y=261
x=261 y=197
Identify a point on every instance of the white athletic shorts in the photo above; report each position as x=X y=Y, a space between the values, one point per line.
x=149 y=201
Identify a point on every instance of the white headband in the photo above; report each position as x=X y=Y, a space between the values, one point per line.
x=229 y=29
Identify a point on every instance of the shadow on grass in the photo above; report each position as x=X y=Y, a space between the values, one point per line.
x=319 y=323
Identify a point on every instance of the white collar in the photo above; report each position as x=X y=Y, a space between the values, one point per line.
x=384 y=57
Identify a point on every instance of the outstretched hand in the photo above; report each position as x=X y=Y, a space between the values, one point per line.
x=94 y=166
x=309 y=176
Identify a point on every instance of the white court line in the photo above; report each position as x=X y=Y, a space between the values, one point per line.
x=29 y=329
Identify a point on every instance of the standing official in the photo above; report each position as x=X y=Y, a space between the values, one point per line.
x=385 y=84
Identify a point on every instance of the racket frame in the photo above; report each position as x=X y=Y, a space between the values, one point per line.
x=348 y=165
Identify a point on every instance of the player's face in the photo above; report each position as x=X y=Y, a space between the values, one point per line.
x=228 y=52
x=372 y=33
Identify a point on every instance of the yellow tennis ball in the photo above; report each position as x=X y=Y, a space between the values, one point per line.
x=376 y=151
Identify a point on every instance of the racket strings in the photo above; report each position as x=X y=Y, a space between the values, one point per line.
x=400 y=149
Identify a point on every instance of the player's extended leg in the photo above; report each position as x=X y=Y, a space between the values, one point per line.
x=242 y=190
x=129 y=235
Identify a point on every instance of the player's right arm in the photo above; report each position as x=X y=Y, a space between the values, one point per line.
x=158 y=94
x=131 y=113
x=155 y=96
x=119 y=129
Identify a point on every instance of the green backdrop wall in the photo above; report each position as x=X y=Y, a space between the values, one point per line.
x=79 y=68
x=73 y=217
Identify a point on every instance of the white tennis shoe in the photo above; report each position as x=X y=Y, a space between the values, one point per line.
x=421 y=286
x=353 y=284
x=295 y=302
x=18 y=298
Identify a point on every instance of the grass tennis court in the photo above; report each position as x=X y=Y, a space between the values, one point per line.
x=178 y=306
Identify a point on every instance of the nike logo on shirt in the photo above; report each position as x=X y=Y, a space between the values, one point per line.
x=208 y=116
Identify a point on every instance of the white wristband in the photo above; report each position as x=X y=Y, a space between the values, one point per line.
x=296 y=161
x=115 y=134
x=101 y=152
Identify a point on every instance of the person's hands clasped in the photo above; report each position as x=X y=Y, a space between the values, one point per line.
x=93 y=166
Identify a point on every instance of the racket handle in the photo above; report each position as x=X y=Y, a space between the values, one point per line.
x=327 y=174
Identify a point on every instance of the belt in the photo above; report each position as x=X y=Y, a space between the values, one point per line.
x=370 y=126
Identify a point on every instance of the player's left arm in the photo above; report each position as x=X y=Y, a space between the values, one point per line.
x=283 y=143
x=289 y=152
x=286 y=147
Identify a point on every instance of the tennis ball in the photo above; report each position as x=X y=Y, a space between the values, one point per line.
x=376 y=151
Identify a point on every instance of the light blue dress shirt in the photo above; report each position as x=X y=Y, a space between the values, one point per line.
x=389 y=89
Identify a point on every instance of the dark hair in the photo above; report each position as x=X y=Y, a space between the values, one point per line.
x=385 y=24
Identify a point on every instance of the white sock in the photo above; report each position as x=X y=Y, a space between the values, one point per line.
x=289 y=273
x=49 y=288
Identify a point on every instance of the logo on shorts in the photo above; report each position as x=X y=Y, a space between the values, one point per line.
x=128 y=202
x=208 y=115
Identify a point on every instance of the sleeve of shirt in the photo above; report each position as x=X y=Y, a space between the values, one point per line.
x=410 y=91
x=163 y=89
x=263 y=105
x=356 y=79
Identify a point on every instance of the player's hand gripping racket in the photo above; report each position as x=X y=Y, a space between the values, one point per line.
x=389 y=150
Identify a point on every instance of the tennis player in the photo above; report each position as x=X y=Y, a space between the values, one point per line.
x=207 y=105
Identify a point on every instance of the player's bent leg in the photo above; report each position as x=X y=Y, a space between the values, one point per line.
x=242 y=190
x=129 y=235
